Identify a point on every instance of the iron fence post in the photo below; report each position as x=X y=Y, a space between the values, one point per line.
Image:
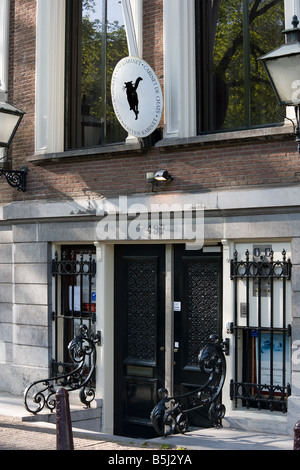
x=297 y=436
x=64 y=436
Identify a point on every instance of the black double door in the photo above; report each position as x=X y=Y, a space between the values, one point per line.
x=139 y=332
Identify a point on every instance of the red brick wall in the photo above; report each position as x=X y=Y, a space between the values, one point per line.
x=22 y=83
x=153 y=47
x=195 y=168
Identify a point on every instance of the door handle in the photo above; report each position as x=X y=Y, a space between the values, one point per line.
x=176 y=350
x=162 y=348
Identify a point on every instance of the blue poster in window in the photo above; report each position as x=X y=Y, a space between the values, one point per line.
x=278 y=357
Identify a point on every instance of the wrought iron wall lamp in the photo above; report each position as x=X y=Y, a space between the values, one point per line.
x=162 y=176
x=10 y=118
x=283 y=69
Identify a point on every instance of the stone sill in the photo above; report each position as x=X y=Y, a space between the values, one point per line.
x=217 y=204
x=86 y=153
x=275 y=132
x=231 y=138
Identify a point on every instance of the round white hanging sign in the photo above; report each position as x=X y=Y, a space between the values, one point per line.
x=136 y=96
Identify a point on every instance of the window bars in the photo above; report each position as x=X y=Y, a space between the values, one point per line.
x=74 y=337
x=262 y=345
x=74 y=301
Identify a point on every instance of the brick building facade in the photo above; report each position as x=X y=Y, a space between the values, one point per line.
x=204 y=162
x=247 y=180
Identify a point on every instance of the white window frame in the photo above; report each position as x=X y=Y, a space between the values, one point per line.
x=291 y=8
x=180 y=67
x=4 y=47
x=4 y=57
x=50 y=71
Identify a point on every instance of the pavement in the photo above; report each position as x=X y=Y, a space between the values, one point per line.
x=16 y=433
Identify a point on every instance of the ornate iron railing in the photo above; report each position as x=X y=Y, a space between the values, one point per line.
x=261 y=330
x=82 y=350
x=170 y=414
x=73 y=282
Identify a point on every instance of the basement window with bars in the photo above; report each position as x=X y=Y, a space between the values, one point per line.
x=74 y=275
x=261 y=329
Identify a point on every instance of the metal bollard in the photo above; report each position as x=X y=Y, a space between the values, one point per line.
x=64 y=435
x=297 y=436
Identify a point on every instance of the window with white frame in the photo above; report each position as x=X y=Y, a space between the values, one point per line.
x=233 y=91
x=194 y=109
x=70 y=72
x=95 y=42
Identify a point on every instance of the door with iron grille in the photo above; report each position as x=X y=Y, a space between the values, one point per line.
x=138 y=337
x=261 y=328
x=197 y=316
x=140 y=348
x=73 y=271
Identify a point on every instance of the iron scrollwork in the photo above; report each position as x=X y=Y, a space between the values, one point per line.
x=170 y=414
x=15 y=178
x=83 y=354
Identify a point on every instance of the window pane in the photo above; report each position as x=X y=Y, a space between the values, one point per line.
x=265 y=35
x=233 y=89
x=228 y=65
x=116 y=49
x=74 y=301
x=91 y=74
x=96 y=41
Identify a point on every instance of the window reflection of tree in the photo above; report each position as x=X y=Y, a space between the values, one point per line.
x=95 y=44
x=233 y=90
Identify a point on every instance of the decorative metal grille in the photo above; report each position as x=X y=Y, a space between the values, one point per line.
x=74 y=316
x=74 y=302
x=261 y=331
x=202 y=306
x=42 y=393
x=142 y=284
x=169 y=416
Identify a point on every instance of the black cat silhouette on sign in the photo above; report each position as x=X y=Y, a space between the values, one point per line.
x=132 y=96
x=136 y=96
